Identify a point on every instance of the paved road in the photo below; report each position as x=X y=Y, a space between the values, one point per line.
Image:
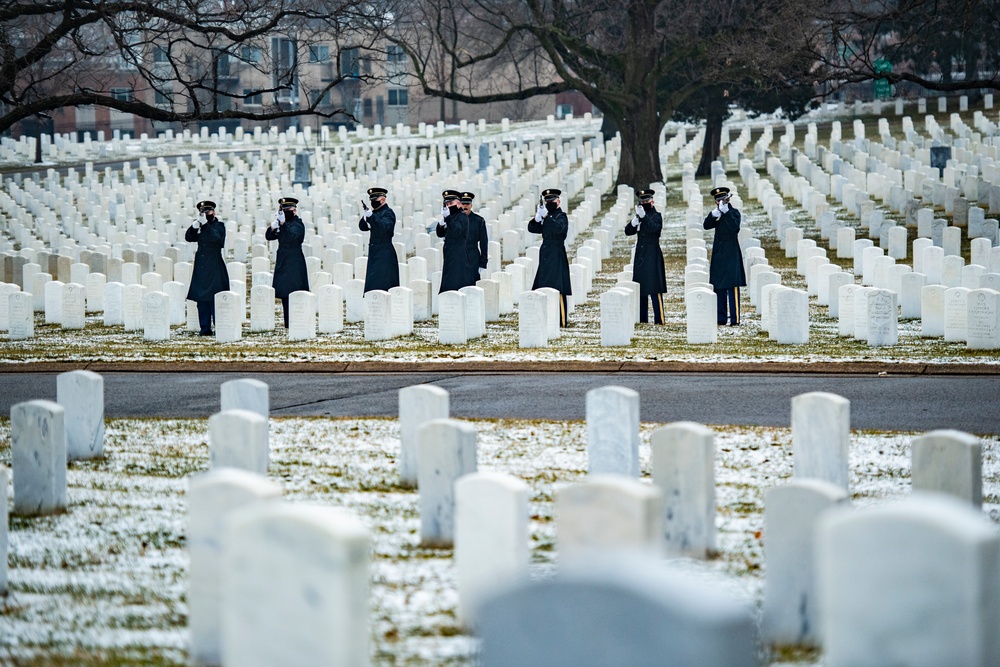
x=968 y=403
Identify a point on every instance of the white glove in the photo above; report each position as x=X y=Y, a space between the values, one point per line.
x=716 y=213
x=443 y=221
x=279 y=218
x=197 y=225
x=481 y=270
x=724 y=207
x=367 y=213
x=540 y=213
x=635 y=222
x=640 y=211
x=445 y=212
x=274 y=224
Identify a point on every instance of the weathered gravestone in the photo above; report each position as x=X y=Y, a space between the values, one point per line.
x=683 y=461
x=883 y=318
x=20 y=316
x=912 y=583
x=613 y=431
x=262 y=308
x=212 y=498
x=378 y=307
x=295 y=588
x=791 y=512
x=238 y=439
x=532 y=320
x=228 y=317
x=38 y=457
x=155 y=316
x=608 y=512
x=616 y=319
x=618 y=611
x=701 y=312
x=447 y=451
x=74 y=306
x=821 y=437
x=956 y=315
x=491 y=537
x=452 y=327
x=81 y=395
x=948 y=462
x=418 y=404
x=983 y=319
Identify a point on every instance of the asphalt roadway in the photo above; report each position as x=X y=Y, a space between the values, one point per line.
x=878 y=402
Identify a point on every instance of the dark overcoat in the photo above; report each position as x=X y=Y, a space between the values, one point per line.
x=726 y=266
x=647 y=269
x=553 y=264
x=383 y=264
x=209 y=275
x=290 y=273
x=477 y=246
x=454 y=269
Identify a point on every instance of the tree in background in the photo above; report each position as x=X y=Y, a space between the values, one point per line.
x=178 y=60
x=944 y=45
x=638 y=61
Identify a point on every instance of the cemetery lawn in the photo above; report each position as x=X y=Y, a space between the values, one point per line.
x=581 y=341
x=105 y=583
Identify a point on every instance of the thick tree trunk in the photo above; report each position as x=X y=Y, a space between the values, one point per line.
x=711 y=146
x=640 y=133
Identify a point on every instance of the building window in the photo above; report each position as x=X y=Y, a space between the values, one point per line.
x=367 y=106
x=322 y=97
x=563 y=110
x=250 y=54
x=222 y=64
x=350 y=63
x=121 y=94
x=395 y=54
x=164 y=98
x=319 y=54
x=160 y=54
x=252 y=98
x=398 y=97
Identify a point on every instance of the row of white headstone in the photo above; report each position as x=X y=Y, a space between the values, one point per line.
x=485 y=515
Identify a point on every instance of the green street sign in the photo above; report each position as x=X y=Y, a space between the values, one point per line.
x=881 y=87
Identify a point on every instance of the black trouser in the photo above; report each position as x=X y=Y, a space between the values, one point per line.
x=728 y=299
x=284 y=309
x=206 y=313
x=657 y=307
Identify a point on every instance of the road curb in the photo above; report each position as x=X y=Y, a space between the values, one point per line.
x=508 y=368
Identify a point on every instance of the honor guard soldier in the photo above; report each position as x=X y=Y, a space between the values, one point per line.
x=477 y=243
x=647 y=269
x=383 y=264
x=209 y=275
x=290 y=273
x=453 y=227
x=553 y=266
x=726 y=271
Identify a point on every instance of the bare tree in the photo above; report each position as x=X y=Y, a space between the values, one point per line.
x=181 y=60
x=944 y=45
x=635 y=60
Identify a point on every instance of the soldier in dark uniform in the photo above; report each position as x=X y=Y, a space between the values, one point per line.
x=553 y=266
x=209 y=275
x=647 y=270
x=290 y=273
x=383 y=264
x=477 y=244
x=453 y=227
x=726 y=271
